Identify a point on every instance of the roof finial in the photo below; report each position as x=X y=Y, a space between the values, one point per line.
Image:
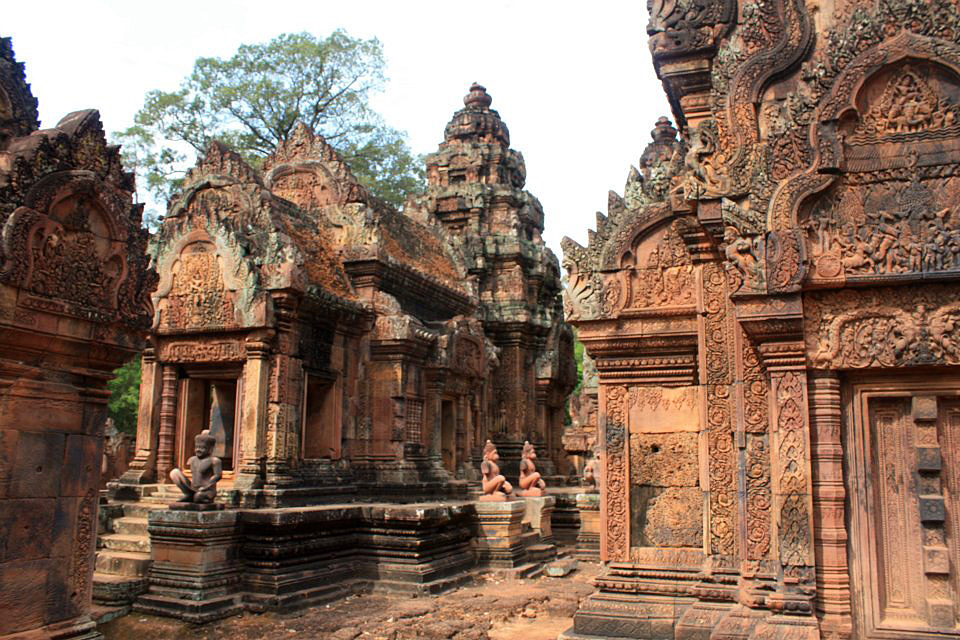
x=478 y=97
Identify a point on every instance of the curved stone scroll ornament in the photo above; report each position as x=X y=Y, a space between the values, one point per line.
x=786 y=37
x=615 y=475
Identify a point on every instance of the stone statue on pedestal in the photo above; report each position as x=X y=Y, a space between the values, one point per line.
x=205 y=469
x=531 y=484
x=495 y=486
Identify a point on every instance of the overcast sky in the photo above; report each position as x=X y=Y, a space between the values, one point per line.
x=572 y=80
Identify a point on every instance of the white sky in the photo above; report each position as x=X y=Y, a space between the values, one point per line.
x=572 y=80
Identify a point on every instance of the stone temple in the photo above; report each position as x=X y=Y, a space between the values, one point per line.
x=773 y=314
x=770 y=405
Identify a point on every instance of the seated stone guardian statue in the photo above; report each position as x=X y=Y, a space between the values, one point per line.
x=531 y=484
x=206 y=470
x=591 y=474
x=495 y=486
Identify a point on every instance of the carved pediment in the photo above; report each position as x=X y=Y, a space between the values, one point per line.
x=908 y=105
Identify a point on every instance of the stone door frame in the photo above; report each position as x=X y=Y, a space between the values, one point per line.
x=857 y=391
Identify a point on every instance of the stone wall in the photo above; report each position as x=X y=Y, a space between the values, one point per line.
x=74 y=305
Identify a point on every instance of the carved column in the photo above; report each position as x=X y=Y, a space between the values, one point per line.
x=168 y=420
x=253 y=405
x=615 y=492
x=791 y=479
x=435 y=402
x=143 y=466
x=830 y=534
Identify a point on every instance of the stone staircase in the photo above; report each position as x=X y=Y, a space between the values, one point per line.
x=123 y=546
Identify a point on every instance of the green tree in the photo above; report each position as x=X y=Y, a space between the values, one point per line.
x=253 y=100
x=125 y=396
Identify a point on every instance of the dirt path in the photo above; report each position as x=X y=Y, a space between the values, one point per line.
x=489 y=609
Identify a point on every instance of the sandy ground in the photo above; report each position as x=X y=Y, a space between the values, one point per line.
x=490 y=608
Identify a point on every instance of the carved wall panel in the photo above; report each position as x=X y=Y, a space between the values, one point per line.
x=892 y=212
x=616 y=480
x=883 y=327
x=718 y=366
x=198 y=298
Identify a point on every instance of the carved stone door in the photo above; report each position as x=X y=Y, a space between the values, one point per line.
x=903 y=458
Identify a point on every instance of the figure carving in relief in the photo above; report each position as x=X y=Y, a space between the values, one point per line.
x=908 y=105
x=744 y=254
x=706 y=178
x=908 y=235
x=205 y=469
x=531 y=484
x=495 y=486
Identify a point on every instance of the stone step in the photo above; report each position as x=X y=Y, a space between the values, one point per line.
x=123 y=563
x=131 y=526
x=113 y=591
x=123 y=542
x=103 y=614
x=530 y=538
x=140 y=509
x=541 y=552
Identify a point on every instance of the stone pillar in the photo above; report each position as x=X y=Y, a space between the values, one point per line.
x=792 y=491
x=253 y=405
x=588 y=540
x=499 y=530
x=830 y=534
x=142 y=469
x=195 y=575
x=168 y=421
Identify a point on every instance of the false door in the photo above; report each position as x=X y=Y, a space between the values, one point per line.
x=903 y=464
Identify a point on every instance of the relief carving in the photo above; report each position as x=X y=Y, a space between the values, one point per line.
x=723 y=499
x=883 y=327
x=666 y=278
x=794 y=522
x=615 y=479
x=198 y=298
x=885 y=229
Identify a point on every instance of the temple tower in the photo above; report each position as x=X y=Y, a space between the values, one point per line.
x=476 y=192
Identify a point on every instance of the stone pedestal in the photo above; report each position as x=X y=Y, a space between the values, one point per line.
x=537 y=513
x=499 y=531
x=565 y=520
x=588 y=540
x=195 y=574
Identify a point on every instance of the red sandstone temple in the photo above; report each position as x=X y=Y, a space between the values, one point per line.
x=335 y=346
x=773 y=313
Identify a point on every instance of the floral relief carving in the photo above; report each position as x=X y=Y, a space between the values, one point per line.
x=758 y=498
x=723 y=500
x=616 y=474
x=794 y=516
x=887 y=326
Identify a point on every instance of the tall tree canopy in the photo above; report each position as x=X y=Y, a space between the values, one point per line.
x=253 y=100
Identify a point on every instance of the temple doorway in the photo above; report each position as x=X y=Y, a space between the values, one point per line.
x=209 y=400
x=321 y=419
x=903 y=456
x=448 y=432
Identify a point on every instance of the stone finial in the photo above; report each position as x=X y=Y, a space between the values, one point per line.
x=663 y=131
x=478 y=98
